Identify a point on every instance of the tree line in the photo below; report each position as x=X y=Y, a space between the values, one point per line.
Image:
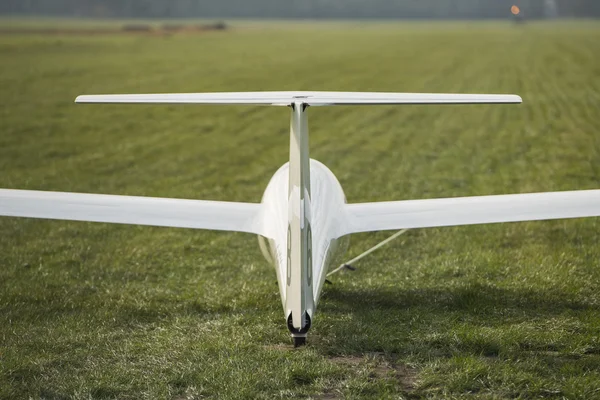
x=309 y=9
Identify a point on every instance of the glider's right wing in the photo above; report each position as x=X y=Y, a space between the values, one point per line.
x=365 y=217
x=177 y=213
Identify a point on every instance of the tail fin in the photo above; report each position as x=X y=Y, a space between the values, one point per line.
x=299 y=290
x=308 y=98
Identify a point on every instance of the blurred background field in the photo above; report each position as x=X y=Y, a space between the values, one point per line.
x=108 y=311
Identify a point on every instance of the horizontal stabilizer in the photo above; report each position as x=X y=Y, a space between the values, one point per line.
x=177 y=213
x=365 y=217
x=309 y=98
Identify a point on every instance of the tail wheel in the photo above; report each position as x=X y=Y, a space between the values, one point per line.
x=299 y=335
x=299 y=341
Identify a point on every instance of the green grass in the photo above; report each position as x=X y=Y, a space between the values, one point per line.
x=113 y=311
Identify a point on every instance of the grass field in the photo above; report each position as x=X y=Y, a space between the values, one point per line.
x=126 y=312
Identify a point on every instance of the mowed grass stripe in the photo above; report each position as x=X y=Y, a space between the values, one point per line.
x=492 y=311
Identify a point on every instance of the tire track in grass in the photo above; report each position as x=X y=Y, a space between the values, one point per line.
x=444 y=137
x=406 y=133
x=568 y=98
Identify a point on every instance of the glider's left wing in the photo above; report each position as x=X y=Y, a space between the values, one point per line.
x=365 y=217
x=177 y=213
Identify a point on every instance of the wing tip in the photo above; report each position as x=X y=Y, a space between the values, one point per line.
x=94 y=98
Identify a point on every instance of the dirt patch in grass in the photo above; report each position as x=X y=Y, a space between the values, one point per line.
x=347 y=360
x=329 y=395
x=384 y=366
x=281 y=347
x=387 y=365
x=406 y=377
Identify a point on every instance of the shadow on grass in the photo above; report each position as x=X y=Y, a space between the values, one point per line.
x=469 y=299
x=128 y=309
x=383 y=326
x=482 y=305
x=478 y=319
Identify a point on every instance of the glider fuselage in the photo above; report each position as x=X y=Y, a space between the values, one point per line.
x=321 y=216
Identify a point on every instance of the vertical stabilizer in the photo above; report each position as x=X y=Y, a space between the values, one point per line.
x=299 y=293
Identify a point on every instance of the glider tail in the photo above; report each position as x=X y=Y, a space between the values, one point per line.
x=299 y=301
x=307 y=98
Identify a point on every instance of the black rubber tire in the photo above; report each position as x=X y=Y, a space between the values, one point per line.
x=299 y=341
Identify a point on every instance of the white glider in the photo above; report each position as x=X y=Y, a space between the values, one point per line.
x=303 y=217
